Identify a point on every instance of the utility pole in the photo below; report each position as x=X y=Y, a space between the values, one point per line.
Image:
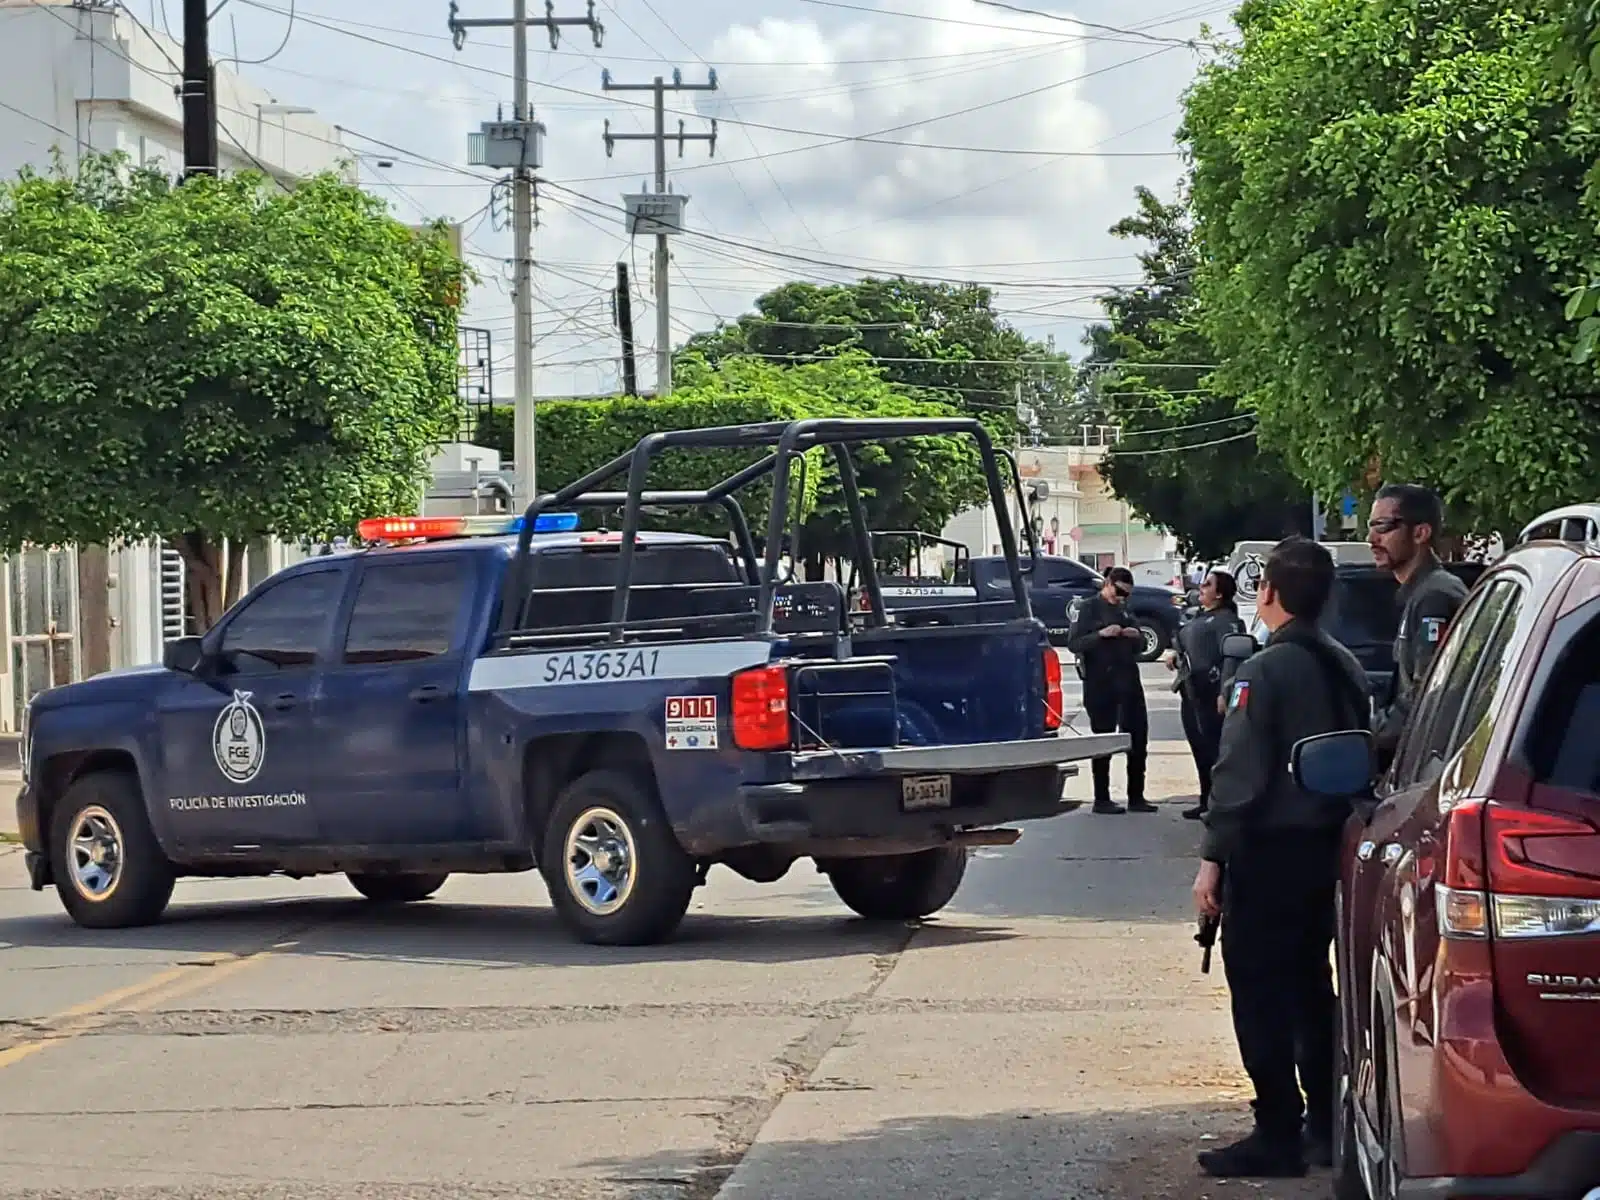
x=630 y=367
x=198 y=93
x=518 y=145
x=659 y=212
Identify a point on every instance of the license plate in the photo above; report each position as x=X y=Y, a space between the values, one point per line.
x=924 y=791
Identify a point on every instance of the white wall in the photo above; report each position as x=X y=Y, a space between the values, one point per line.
x=98 y=79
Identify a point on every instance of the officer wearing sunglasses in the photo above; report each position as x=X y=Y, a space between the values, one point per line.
x=1107 y=641
x=1403 y=529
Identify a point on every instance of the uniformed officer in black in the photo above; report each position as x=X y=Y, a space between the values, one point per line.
x=1199 y=662
x=1270 y=865
x=1405 y=524
x=1107 y=641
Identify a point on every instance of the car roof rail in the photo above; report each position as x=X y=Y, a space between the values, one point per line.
x=1576 y=524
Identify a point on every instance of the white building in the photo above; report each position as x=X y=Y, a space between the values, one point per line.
x=79 y=75
x=1072 y=510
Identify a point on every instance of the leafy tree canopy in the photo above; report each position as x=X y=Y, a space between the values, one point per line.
x=214 y=361
x=940 y=337
x=916 y=483
x=1152 y=380
x=1388 y=203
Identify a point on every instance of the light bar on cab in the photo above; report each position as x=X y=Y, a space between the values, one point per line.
x=408 y=529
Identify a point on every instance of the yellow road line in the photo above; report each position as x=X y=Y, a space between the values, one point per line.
x=143 y=996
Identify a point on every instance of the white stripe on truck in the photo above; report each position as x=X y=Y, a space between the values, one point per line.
x=616 y=664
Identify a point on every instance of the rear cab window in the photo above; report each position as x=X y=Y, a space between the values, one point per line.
x=573 y=586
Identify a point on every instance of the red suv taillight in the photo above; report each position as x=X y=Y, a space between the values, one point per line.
x=760 y=715
x=1053 y=701
x=1491 y=880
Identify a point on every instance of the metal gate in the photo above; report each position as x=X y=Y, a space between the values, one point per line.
x=43 y=587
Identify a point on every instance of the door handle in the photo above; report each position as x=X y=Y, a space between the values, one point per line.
x=284 y=702
x=427 y=692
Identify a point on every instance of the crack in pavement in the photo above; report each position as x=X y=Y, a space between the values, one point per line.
x=740 y=1124
x=493 y=1100
x=273 y=1022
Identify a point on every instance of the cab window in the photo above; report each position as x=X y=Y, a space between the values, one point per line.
x=284 y=626
x=406 y=611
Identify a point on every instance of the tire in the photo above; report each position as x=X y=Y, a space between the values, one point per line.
x=899 y=887
x=397 y=889
x=1155 y=642
x=1347 y=1181
x=636 y=900
x=109 y=869
x=1391 y=1171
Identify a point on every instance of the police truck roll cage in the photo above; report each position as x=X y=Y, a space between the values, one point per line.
x=790 y=440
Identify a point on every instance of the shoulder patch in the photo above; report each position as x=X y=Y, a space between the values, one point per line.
x=1240 y=696
x=1432 y=629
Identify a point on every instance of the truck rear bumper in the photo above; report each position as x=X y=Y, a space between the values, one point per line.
x=841 y=817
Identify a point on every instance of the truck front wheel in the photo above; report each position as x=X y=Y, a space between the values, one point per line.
x=397 y=889
x=615 y=870
x=899 y=887
x=109 y=869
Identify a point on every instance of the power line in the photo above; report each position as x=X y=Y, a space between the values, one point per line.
x=893 y=12
x=828 y=139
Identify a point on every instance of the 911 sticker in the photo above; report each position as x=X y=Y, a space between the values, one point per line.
x=1432 y=629
x=691 y=723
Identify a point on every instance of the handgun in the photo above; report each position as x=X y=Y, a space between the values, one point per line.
x=1205 y=939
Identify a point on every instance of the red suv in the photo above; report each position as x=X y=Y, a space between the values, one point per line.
x=1469 y=905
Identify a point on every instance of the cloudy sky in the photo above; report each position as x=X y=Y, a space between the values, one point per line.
x=944 y=139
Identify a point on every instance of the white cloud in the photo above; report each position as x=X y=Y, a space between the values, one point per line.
x=1033 y=83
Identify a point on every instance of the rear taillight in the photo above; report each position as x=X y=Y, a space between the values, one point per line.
x=760 y=715
x=1052 y=688
x=1493 y=880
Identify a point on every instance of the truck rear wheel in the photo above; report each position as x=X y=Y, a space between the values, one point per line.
x=397 y=889
x=899 y=887
x=615 y=871
x=109 y=869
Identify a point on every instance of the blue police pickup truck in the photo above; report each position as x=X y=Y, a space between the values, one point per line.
x=618 y=710
x=1056 y=587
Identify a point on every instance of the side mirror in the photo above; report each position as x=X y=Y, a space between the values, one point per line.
x=184 y=654
x=1192 y=598
x=1337 y=766
x=1238 y=645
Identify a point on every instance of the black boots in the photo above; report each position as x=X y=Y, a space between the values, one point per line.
x=1256 y=1157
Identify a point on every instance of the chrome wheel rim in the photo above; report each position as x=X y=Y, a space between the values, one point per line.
x=1152 y=641
x=95 y=853
x=601 y=858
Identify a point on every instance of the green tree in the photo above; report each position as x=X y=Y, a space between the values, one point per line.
x=215 y=362
x=1389 y=204
x=914 y=483
x=1148 y=371
x=943 y=338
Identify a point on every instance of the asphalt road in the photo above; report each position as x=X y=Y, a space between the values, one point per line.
x=1048 y=1036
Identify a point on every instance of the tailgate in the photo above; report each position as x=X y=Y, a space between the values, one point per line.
x=980 y=758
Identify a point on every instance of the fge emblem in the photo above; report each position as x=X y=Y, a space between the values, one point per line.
x=238 y=740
